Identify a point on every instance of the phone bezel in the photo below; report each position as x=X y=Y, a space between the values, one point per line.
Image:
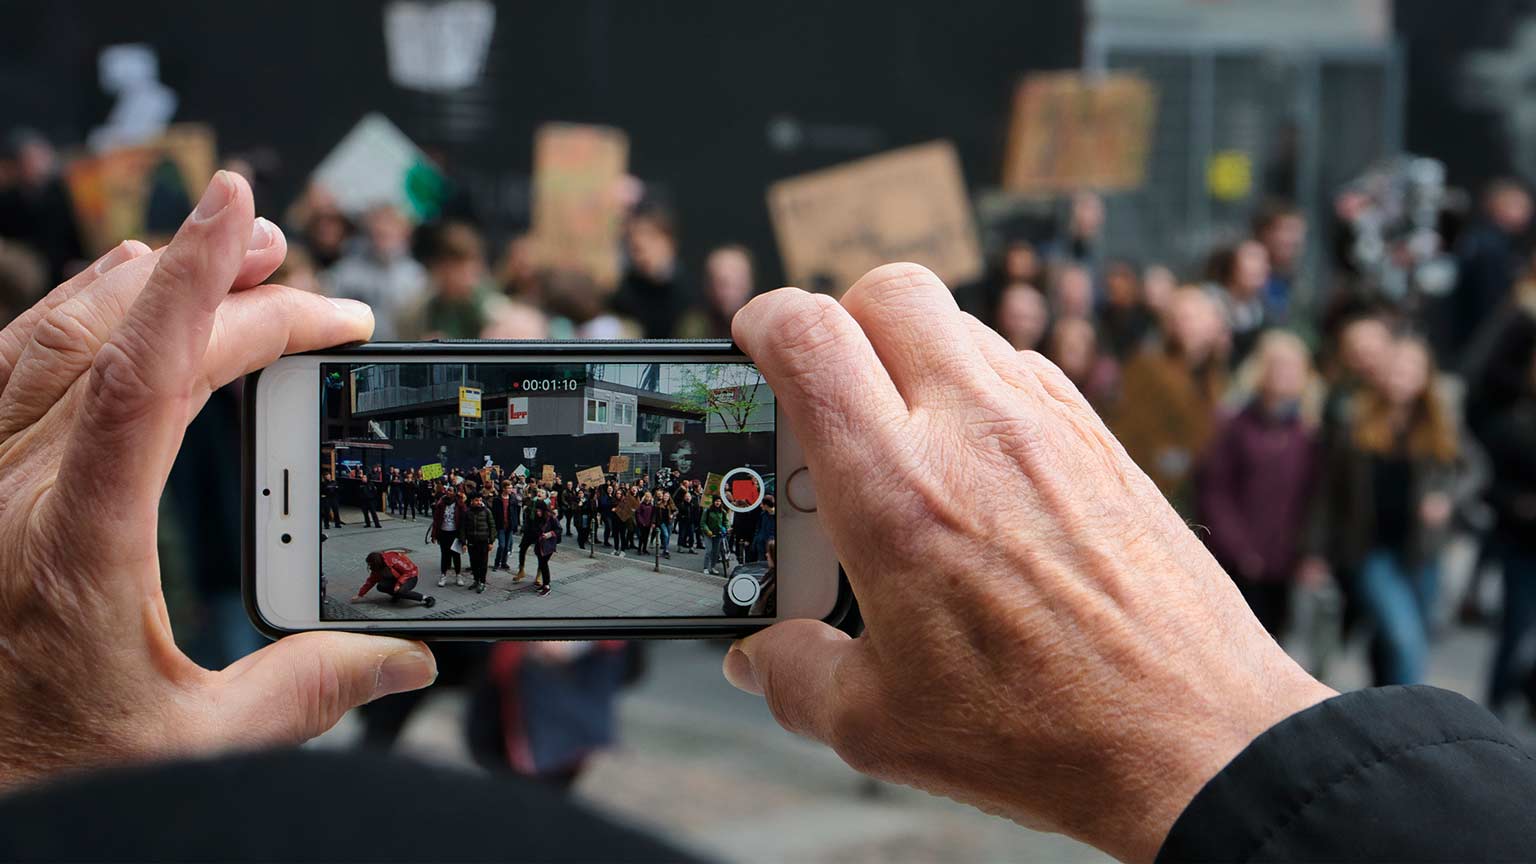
x=811 y=584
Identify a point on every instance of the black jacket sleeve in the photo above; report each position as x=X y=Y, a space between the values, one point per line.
x=1399 y=774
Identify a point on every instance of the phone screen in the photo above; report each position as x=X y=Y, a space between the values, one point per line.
x=509 y=490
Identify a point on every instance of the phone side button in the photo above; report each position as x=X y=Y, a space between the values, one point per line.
x=800 y=490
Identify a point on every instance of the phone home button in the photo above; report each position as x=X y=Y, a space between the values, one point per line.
x=800 y=490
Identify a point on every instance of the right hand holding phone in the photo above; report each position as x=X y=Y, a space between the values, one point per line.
x=1046 y=638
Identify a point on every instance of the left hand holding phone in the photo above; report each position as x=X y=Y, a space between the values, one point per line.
x=98 y=382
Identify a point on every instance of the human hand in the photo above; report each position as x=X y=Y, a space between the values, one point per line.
x=97 y=385
x=1046 y=639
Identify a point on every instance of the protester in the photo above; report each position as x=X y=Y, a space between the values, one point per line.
x=728 y=285
x=653 y=292
x=1022 y=316
x=1281 y=228
x=449 y=516
x=504 y=511
x=1240 y=274
x=393 y=573
x=455 y=305
x=1071 y=293
x=1256 y=480
x=35 y=207
x=1170 y=393
x=1073 y=346
x=479 y=535
x=381 y=272
x=1125 y=322
x=714 y=526
x=532 y=519
x=1386 y=499
x=767 y=529
x=547 y=528
x=1489 y=259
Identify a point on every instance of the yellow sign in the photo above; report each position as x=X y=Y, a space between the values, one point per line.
x=432 y=472
x=711 y=488
x=469 y=402
x=1229 y=175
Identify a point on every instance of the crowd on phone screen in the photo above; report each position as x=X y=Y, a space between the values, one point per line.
x=483 y=514
x=1326 y=437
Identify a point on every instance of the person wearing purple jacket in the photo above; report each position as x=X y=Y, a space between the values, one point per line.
x=1255 y=483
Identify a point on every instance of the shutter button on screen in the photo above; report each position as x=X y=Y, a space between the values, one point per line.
x=800 y=491
x=743 y=590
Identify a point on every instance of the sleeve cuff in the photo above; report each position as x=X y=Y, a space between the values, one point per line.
x=1388 y=773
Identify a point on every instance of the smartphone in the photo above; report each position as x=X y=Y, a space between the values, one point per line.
x=502 y=490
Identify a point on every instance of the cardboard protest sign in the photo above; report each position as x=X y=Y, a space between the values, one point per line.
x=1072 y=131
x=549 y=472
x=618 y=464
x=377 y=164
x=590 y=476
x=834 y=225
x=712 y=487
x=520 y=471
x=432 y=472
x=578 y=206
x=142 y=191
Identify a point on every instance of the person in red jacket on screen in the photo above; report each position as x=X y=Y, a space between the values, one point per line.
x=393 y=573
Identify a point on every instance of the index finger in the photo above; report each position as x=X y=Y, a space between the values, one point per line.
x=823 y=372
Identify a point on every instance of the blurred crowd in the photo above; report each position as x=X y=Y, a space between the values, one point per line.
x=1325 y=430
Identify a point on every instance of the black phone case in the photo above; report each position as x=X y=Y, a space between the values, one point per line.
x=843 y=613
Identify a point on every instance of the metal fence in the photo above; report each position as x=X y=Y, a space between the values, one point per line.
x=1306 y=119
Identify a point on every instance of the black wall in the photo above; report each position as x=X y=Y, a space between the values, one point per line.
x=695 y=84
x=568 y=453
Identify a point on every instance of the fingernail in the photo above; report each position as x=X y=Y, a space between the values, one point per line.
x=263 y=233
x=120 y=253
x=220 y=191
x=738 y=671
x=407 y=670
x=352 y=308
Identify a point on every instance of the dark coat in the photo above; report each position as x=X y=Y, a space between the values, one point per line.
x=548 y=536
x=479 y=526
x=462 y=514
x=504 y=511
x=1511 y=440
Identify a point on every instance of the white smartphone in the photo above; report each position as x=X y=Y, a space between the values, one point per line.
x=503 y=490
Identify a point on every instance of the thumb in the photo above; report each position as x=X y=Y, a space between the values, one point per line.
x=794 y=666
x=298 y=687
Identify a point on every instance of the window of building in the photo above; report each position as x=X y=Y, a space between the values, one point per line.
x=597 y=411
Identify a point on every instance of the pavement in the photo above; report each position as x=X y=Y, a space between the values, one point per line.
x=706 y=766
x=584 y=584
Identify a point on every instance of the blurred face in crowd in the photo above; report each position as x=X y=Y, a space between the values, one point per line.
x=1120 y=285
x=1285 y=370
x=727 y=280
x=1021 y=316
x=1509 y=207
x=457 y=277
x=1072 y=293
x=35 y=162
x=1074 y=347
x=1407 y=374
x=1194 y=325
x=651 y=247
x=326 y=232
x=1285 y=237
x=1157 y=286
x=389 y=232
x=1087 y=215
x=1020 y=263
x=515 y=319
x=518 y=270
x=1364 y=346
x=1250 y=270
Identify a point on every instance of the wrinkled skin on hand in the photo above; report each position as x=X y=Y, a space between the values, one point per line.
x=97 y=385
x=1046 y=639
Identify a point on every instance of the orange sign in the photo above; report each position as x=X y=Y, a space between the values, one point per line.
x=1072 y=131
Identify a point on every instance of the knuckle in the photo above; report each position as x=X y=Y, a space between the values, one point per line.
x=318 y=697
x=118 y=388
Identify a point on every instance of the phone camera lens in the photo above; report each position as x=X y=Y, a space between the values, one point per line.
x=265 y=492
x=287 y=538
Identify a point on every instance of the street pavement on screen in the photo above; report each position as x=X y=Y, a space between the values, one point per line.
x=600 y=585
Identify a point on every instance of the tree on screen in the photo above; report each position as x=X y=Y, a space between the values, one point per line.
x=728 y=391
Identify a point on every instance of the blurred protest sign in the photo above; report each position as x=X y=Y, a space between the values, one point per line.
x=618 y=464
x=142 y=191
x=1071 y=131
x=438 y=47
x=432 y=472
x=578 y=201
x=590 y=476
x=377 y=164
x=549 y=473
x=520 y=471
x=910 y=204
